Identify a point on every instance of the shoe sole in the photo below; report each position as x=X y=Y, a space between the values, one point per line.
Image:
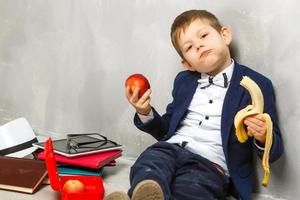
x=147 y=190
x=117 y=196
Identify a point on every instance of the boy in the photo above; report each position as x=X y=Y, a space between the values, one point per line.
x=197 y=155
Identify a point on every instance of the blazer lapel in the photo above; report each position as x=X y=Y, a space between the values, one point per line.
x=230 y=105
x=186 y=91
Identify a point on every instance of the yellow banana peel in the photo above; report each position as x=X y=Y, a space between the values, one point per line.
x=256 y=107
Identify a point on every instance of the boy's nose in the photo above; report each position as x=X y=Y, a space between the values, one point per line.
x=198 y=46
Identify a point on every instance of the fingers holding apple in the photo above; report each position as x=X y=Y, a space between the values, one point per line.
x=143 y=104
x=132 y=96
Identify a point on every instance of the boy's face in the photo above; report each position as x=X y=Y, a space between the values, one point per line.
x=204 y=49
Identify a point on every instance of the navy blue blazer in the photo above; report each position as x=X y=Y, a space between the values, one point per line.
x=238 y=155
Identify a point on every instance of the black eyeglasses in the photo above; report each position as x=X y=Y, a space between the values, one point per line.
x=77 y=142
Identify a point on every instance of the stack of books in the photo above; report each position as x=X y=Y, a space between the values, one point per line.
x=91 y=164
x=83 y=154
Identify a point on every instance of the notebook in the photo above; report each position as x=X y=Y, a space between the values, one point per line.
x=21 y=174
x=61 y=146
x=94 y=161
x=65 y=170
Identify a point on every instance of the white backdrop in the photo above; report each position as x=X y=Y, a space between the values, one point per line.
x=63 y=64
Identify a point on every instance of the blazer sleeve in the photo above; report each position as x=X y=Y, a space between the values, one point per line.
x=270 y=108
x=158 y=127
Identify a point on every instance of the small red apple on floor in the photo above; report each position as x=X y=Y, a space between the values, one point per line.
x=138 y=80
x=73 y=186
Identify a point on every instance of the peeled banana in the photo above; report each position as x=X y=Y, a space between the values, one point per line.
x=256 y=107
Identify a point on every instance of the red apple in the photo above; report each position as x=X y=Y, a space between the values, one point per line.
x=138 y=80
x=73 y=186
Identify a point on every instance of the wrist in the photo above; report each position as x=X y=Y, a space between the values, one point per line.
x=260 y=142
x=144 y=112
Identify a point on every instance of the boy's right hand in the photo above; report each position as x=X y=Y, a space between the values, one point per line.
x=141 y=105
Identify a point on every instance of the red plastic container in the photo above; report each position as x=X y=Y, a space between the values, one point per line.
x=94 y=189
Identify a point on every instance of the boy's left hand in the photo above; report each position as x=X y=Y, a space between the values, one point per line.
x=256 y=125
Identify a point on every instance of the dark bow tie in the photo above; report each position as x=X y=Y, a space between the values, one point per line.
x=219 y=80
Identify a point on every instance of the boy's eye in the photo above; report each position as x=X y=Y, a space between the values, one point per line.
x=204 y=35
x=188 y=48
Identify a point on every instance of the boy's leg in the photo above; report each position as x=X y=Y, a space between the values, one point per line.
x=156 y=163
x=197 y=178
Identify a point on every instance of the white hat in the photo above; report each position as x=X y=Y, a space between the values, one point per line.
x=17 y=137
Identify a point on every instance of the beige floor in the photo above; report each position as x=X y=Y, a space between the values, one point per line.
x=117 y=178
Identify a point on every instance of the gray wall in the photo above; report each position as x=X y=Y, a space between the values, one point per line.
x=63 y=65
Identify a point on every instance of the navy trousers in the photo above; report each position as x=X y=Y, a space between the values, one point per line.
x=182 y=174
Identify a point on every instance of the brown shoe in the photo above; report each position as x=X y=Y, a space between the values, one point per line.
x=147 y=190
x=117 y=196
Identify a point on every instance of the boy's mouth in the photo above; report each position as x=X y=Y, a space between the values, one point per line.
x=205 y=53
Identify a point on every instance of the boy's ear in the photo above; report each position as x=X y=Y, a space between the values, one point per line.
x=226 y=35
x=186 y=65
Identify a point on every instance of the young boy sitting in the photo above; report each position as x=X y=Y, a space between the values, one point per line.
x=198 y=155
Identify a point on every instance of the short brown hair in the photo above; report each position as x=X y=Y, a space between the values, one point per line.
x=183 y=20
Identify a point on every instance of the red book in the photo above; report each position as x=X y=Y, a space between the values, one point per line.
x=95 y=161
